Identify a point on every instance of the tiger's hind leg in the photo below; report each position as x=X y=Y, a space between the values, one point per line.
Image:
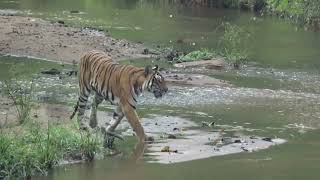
x=93 y=115
x=82 y=105
x=109 y=133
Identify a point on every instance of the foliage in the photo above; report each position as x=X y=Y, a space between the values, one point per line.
x=34 y=150
x=234 y=43
x=20 y=94
x=197 y=55
x=303 y=11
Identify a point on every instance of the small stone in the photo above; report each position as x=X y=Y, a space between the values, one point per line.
x=171 y=136
x=145 y=51
x=74 y=11
x=237 y=141
x=244 y=149
x=150 y=139
x=52 y=71
x=267 y=139
x=165 y=149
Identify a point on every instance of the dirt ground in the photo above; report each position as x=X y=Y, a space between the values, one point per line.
x=28 y=36
x=55 y=113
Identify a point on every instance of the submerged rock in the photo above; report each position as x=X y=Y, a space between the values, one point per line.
x=74 y=11
x=52 y=71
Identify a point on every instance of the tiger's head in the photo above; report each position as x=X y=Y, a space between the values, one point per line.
x=156 y=83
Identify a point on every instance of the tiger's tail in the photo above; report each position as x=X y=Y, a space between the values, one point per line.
x=75 y=110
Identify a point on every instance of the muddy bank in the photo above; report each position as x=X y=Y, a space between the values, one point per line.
x=28 y=36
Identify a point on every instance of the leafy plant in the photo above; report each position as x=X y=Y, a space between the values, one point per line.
x=20 y=94
x=35 y=149
x=234 y=43
x=201 y=54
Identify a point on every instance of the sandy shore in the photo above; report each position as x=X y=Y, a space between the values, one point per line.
x=28 y=36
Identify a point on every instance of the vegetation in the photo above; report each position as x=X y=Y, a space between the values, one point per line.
x=20 y=96
x=233 y=46
x=33 y=150
x=32 y=147
x=234 y=43
x=304 y=12
x=201 y=54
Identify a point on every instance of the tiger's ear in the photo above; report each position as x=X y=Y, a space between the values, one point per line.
x=147 y=71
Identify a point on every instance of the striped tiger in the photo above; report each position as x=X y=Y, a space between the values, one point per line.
x=118 y=84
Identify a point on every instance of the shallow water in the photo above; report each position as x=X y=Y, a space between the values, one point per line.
x=278 y=96
x=240 y=110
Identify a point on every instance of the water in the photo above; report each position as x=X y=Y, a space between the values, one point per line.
x=275 y=43
x=276 y=96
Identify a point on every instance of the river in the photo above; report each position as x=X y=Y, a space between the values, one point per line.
x=276 y=94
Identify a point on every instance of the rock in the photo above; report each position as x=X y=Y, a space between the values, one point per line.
x=244 y=149
x=61 y=22
x=209 y=64
x=267 y=139
x=150 y=139
x=171 y=136
x=165 y=149
x=72 y=72
x=204 y=124
x=176 y=129
x=74 y=11
x=145 y=51
x=52 y=71
x=252 y=137
x=194 y=79
x=237 y=141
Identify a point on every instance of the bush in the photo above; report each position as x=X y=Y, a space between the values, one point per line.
x=21 y=95
x=201 y=54
x=35 y=150
x=234 y=43
x=304 y=12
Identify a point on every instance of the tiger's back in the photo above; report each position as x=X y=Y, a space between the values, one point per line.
x=98 y=73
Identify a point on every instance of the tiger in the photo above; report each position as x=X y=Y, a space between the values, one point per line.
x=121 y=85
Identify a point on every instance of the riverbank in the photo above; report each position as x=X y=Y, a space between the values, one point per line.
x=34 y=37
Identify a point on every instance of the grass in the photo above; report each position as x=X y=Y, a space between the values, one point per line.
x=20 y=96
x=29 y=148
x=234 y=46
x=202 y=54
x=34 y=150
x=302 y=11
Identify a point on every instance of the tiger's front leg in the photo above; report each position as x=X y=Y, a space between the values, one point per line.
x=109 y=130
x=133 y=120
